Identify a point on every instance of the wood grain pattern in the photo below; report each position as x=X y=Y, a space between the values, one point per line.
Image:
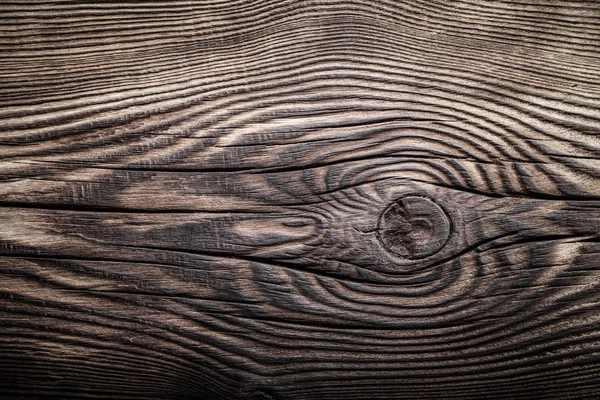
x=191 y=199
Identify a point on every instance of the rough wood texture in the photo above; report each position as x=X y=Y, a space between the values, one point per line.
x=318 y=199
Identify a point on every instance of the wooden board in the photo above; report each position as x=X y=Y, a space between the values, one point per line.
x=315 y=199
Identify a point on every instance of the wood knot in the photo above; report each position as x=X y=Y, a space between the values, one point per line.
x=413 y=227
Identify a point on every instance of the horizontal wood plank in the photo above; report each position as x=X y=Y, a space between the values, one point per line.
x=277 y=199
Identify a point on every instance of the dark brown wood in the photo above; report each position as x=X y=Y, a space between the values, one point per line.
x=277 y=199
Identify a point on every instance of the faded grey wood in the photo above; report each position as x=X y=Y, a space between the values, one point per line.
x=300 y=200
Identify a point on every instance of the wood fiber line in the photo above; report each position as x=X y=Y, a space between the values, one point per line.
x=315 y=199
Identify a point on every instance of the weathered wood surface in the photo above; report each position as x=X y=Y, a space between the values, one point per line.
x=198 y=200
